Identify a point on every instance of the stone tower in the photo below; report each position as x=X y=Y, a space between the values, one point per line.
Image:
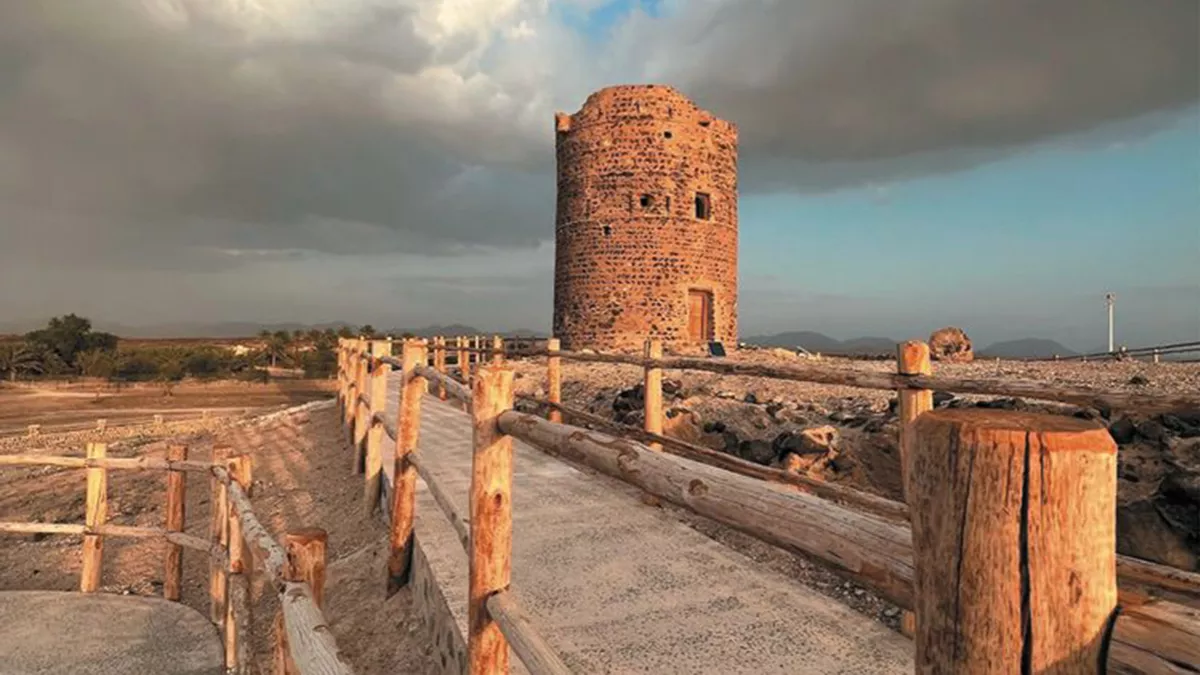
x=646 y=229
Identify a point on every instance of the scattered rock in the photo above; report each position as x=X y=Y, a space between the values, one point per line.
x=951 y=345
x=1003 y=404
x=875 y=426
x=941 y=398
x=1122 y=431
x=726 y=395
x=1139 y=380
x=759 y=452
x=672 y=387
x=1151 y=430
x=750 y=398
x=717 y=427
x=732 y=442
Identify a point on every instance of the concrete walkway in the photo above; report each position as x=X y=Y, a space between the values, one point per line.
x=57 y=633
x=617 y=586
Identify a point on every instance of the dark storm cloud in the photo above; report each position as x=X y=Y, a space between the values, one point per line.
x=234 y=136
x=834 y=93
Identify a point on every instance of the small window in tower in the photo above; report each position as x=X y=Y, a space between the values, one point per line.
x=608 y=230
x=667 y=134
x=703 y=206
x=705 y=123
x=647 y=201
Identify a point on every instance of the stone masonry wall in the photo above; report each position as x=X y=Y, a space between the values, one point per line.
x=629 y=242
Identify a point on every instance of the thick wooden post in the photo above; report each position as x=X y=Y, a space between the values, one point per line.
x=497 y=350
x=408 y=428
x=95 y=516
x=912 y=358
x=1014 y=542
x=653 y=395
x=554 y=377
x=239 y=472
x=439 y=363
x=218 y=533
x=176 y=498
x=341 y=375
x=305 y=564
x=380 y=371
x=490 y=554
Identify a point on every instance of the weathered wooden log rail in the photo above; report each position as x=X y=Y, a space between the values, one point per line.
x=303 y=643
x=863 y=537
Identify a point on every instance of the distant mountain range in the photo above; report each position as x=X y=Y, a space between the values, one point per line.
x=1027 y=348
x=819 y=342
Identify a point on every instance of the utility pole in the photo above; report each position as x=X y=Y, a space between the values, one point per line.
x=1110 y=299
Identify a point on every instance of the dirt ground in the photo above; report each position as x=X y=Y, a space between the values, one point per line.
x=61 y=406
x=302 y=478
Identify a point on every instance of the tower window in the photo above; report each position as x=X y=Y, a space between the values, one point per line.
x=667 y=134
x=703 y=206
x=646 y=201
x=705 y=123
x=608 y=230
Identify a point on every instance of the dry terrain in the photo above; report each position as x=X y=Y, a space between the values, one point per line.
x=63 y=406
x=302 y=478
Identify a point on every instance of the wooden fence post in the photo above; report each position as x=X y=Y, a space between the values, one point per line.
x=497 y=350
x=305 y=564
x=554 y=377
x=408 y=428
x=218 y=533
x=652 y=393
x=464 y=364
x=380 y=371
x=95 y=516
x=176 y=498
x=439 y=363
x=490 y=555
x=912 y=358
x=239 y=472
x=362 y=410
x=351 y=388
x=341 y=372
x=1014 y=542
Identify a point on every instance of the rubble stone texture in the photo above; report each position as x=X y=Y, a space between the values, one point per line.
x=646 y=226
x=951 y=345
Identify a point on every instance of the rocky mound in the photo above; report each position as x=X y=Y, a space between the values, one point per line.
x=951 y=345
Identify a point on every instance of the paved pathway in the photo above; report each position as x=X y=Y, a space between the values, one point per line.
x=617 y=586
x=57 y=633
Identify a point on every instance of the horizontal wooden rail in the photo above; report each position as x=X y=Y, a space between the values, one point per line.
x=389 y=426
x=537 y=655
x=185 y=540
x=453 y=387
x=130 y=463
x=260 y=540
x=873 y=552
x=456 y=518
x=1080 y=396
x=865 y=501
x=309 y=639
x=310 y=643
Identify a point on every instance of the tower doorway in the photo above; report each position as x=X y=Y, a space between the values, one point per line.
x=699 y=316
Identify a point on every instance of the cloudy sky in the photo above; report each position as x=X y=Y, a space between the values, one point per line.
x=904 y=164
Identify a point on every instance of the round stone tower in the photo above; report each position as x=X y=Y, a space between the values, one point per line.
x=646 y=229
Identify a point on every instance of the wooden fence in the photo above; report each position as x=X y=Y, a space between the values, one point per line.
x=1051 y=527
x=295 y=571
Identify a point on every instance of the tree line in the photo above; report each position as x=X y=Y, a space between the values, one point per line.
x=69 y=347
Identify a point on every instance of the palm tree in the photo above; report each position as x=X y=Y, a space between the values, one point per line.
x=18 y=359
x=276 y=347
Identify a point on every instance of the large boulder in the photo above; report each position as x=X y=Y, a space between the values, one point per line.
x=809 y=450
x=951 y=345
